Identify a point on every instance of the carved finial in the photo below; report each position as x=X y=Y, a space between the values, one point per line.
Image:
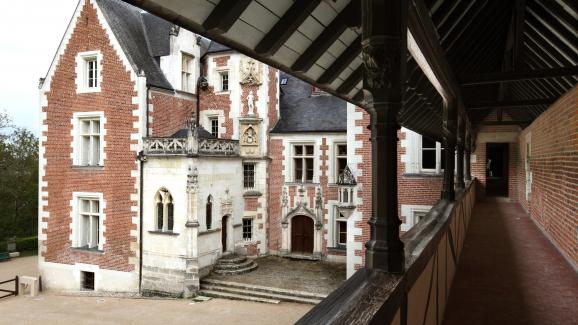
x=318 y=198
x=346 y=177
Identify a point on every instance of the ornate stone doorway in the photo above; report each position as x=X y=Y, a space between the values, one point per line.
x=302 y=235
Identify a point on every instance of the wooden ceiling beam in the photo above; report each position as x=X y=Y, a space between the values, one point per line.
x=497 y=77
x=350 y=16
x=354 y=78
x=504 y=122
x=341 y=63
x=518 y=46
x=224 y=15
x=509 y=104
x=286 y=26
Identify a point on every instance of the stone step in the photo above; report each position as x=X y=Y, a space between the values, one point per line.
x=226 y=295
x=260 y=294
x=236 y=271
x=231 y=266
x=232 y=259
x=254 y=287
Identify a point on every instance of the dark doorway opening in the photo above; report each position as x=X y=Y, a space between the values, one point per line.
x=497 y=169
x=87 y=281
x=224 y=233
x=301 y=235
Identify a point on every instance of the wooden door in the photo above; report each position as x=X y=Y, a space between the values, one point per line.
x=302 y=235
x=224 y=233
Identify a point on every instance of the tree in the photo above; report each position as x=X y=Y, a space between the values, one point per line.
x=18 y=180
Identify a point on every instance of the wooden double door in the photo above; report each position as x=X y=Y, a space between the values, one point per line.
x=302 y=235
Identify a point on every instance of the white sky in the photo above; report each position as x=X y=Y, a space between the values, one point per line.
x=30 y=32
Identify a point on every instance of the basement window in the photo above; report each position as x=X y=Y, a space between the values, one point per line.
x=87 y=281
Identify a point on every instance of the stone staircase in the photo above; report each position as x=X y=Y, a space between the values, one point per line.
x=250 y=292
x=234 y=264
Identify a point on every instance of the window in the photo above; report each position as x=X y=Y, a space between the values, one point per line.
x=214 y=126
x=249 y=175
x=187 y=82
x=88 y=71
x=340 y=159
x=418 y=216
x=303 y=163
x=341 y=232
x=89 y=215
x=248 y=229
x=90 y=141
x=283 y=81
x=224 y=81
x=432 y=155
x=209 y=212
x=165 y=210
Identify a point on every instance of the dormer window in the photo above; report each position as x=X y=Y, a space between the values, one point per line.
x=187 y=68
x=88 y=71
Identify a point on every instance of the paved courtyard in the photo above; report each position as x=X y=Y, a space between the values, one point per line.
x=301 y=275
x=50 y=308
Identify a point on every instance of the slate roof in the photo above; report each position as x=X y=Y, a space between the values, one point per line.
x=300 y=111
x=215 y=47
x=142 y=36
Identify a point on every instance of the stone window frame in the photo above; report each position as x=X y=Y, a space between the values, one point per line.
x=409 y=212
x=246 y=177
x=337 y=156
x=77 y=225
x=82 y=75
x=251 y=229
x=77 y=147
x=294 y=156
x=189 y=72
x=439 y=156
x=339 y=220
x=165 y=204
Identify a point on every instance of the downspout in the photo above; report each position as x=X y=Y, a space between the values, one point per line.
x=198 y=86
x=142 y=159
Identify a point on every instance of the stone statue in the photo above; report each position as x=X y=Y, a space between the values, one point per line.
x=250 y=103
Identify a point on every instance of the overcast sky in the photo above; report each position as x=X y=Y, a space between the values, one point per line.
x=30 y=32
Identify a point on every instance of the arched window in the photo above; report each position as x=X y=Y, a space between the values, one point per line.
x=164 y=210
x=209 y=212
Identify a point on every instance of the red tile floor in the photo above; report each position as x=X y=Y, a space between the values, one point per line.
x=509 y=273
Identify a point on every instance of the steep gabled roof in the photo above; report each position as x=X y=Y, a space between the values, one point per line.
x=302 y=111
x=142 y=37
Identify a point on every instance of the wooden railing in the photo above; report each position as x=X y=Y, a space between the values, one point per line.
x=10 y=292
x=419 y=295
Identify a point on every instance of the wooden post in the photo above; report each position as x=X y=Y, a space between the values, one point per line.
x=460 y=153
x=468 y=154
x=450 y=124
x=384 y=53
x=17 y=288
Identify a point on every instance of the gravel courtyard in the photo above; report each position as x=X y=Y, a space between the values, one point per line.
x=50 y=308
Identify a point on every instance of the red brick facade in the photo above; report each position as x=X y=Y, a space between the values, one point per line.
x=553 y=201
x=114 y=180
x=209 y=99
x=169 y=112
x=275 y=185
x=363 y=183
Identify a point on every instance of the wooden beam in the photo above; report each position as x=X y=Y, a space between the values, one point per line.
x=354 y=78
x=348 y=17
x=497 y=77
x=510 y=104
x=504 y=122
x=518 y=46
x=341 y=63
x=286 y=26
x=224 y=15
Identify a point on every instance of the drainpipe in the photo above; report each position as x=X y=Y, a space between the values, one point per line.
x=142 y=159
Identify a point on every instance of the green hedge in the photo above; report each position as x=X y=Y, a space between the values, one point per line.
x=27 y=244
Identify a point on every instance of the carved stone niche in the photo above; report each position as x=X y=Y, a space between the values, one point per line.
x=250 y=72
x=250 y=136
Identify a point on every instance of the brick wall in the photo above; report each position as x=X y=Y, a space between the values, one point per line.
x=114 y=180
x=168 y=112
x=363 y=184
x=553 y=202
x=415 y=189
x=276 y=181
x=209 y=99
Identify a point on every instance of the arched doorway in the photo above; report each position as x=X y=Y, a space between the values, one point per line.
x=224 y=233
x=302 y=235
